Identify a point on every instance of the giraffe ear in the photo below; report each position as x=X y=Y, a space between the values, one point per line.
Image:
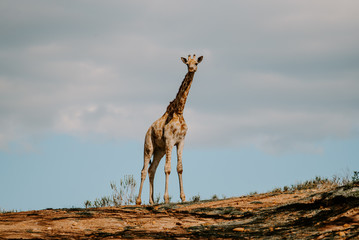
x=200 y=59
x=184 y=60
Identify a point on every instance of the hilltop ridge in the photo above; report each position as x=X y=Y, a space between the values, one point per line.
x=319 y=213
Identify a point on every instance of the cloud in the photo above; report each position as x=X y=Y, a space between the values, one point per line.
x=281 y=76
x=111 y=121
x=274 y=131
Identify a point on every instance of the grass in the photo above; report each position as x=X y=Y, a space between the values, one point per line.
x=320 y=183
x=124 y=193
x=7 y=211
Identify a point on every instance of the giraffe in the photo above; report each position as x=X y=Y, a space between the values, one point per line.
x=165 y=133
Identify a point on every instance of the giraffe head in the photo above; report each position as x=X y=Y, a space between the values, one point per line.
x=192 y=62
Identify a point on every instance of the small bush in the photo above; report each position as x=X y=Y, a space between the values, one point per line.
x=125 y=195
x=102 y=202
x=88 y=204
x=157 y=198
x=122 y=195
x=311 y=184
x=342 y=180
x=277 y=190
x=215 y=197
x=355 y=178
x=196 y=198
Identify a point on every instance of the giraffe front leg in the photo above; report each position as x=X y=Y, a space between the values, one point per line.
x=180 y=169
x=148 y=151
x=143 y=177
x=167 y=172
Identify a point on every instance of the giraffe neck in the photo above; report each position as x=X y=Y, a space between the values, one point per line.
x=178 y=104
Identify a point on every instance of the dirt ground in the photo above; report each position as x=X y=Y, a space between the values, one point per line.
x=307 y=214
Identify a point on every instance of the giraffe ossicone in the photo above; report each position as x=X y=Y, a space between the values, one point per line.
x=165 y=133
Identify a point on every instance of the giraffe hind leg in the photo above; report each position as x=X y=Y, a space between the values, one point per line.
x=157 y=156
x=167 y=171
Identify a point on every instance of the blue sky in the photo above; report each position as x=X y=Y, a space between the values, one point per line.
x=275 y=100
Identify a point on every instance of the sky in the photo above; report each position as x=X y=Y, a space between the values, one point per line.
x=274 y=102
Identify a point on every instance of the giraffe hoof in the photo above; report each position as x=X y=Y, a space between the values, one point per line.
x=167 y=199
x=183 y=198
x=138 y=201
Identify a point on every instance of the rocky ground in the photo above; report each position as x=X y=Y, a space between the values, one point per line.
x=320 y=213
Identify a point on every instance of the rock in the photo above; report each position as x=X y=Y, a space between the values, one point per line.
x=240 y=229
